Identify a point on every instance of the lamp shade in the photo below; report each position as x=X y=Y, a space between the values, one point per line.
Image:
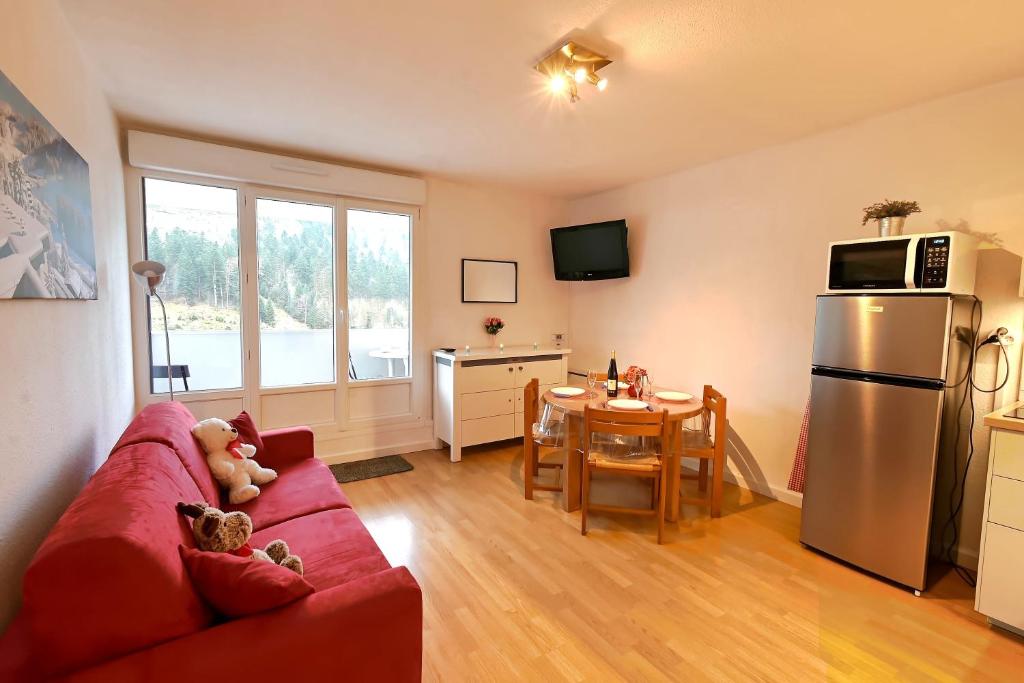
x=149 y=274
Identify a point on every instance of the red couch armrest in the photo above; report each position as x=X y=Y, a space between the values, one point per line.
x=286 y=446
x=370 y=629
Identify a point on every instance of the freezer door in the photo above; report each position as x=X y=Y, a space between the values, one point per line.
x=893 y=335
x=871 y=459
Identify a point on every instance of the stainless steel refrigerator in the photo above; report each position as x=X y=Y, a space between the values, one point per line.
x=880 y=370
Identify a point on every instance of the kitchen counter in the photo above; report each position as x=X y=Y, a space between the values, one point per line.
x=998 y=419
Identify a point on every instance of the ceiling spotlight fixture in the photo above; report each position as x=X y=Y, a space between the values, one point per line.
x=570 y=65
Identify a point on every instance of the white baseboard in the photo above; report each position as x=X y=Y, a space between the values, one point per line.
x=779 y=493
x=375 y=452
x=967 y=557
x=383 y=440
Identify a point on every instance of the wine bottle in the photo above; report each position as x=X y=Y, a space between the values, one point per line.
x=613 y=378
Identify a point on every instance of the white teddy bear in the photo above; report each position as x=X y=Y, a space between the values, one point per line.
x=230 y=460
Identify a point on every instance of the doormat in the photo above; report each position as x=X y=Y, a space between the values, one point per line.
x=368 y=469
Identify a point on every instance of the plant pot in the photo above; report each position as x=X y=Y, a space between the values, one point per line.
x=891 y=226
x=494 y=340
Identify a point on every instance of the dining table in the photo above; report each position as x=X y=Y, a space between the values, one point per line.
x=573 y=406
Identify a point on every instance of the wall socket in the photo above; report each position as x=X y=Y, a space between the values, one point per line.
x=558 y=338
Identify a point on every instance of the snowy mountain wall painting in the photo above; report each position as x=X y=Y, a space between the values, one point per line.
x=47 y=247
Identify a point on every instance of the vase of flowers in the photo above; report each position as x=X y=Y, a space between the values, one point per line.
x=493 y=326
x=891 y=215
x=634 y=381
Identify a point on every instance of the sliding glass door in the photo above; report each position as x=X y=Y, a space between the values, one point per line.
x=292 y=305
x=295 y=252
x=193 y=230
x=379 y=293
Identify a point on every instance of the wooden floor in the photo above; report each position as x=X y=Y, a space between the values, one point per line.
x=513 y=592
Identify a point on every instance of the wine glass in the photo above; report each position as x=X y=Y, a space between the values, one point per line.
x=638 y=384
x=592 y=379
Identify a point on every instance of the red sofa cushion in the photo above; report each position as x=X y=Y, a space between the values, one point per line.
x=248 y=433
x=109 y=579
x=300 y=489
x=334 y=546
x=237 y=586
x=170 y=424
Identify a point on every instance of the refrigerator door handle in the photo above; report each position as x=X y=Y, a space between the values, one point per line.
x=909 y=271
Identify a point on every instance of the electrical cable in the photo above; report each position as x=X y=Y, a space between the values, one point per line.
x=959 y=489
x=955 y=501
x=1006 y=356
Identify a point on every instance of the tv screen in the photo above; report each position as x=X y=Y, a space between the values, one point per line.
x=596 y=251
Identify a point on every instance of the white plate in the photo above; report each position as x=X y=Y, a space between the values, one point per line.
x=567 y=392
x=673 y=396
x=627 y=404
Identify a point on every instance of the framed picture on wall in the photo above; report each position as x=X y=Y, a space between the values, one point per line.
x=485 y=281
x=47 y=247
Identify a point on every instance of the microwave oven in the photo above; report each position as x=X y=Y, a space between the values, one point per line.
x=937 y=262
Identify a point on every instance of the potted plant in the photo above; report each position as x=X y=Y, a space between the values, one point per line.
x=891 y=215
x=493 y=325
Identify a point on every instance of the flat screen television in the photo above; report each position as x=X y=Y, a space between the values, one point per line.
x=596 y=251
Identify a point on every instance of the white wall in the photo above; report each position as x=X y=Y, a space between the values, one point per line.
x=727 y=257
x=65 y=366
x=478 y=221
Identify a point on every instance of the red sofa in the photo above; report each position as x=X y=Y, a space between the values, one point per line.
x=107 y=597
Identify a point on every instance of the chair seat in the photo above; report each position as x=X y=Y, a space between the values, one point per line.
x=697 y=441
x=638 y=463
x=547 y=435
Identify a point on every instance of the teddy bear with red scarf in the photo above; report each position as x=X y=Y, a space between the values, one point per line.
x=231 y=461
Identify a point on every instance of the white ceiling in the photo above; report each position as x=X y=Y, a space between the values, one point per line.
x=446 y=86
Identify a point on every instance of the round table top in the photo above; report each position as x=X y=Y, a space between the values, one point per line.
x=677 y=410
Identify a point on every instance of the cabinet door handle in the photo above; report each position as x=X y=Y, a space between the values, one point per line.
x=520 y=368
x=510 y=369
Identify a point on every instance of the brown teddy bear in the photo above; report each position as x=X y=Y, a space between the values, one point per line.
x=229 y=532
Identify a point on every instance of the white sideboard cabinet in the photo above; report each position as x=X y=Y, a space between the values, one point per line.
x=478 y=396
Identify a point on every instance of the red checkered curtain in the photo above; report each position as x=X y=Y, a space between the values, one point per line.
x=797 y=474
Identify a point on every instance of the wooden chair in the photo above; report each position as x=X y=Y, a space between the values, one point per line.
x=534 y=440
x=708 y=445
x=648 y=466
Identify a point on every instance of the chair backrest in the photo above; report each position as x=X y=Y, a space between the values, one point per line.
x=714 y=405
x=624 y=423
x=531 y=406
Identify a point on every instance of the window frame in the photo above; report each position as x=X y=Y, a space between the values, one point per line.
x=258 y=192
x=210 y=401
x=411 y=213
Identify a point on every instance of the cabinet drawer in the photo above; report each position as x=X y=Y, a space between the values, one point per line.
x=1008 y=460
x=546 y=371
x=487 y=404
x=487 y=429
x=999 y=586
x=486 y=378
x=1006 y=502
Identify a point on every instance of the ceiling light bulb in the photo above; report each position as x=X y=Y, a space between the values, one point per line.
x=602 y=84
x=580 y=74
x=558 y=83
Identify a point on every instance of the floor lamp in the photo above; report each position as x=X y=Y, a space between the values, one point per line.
x=149 y=274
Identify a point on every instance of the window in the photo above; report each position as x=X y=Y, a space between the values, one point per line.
x=295 y=247
x=193 y=230
x=379 y=294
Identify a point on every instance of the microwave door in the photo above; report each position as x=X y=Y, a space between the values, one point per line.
x=873 y=265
